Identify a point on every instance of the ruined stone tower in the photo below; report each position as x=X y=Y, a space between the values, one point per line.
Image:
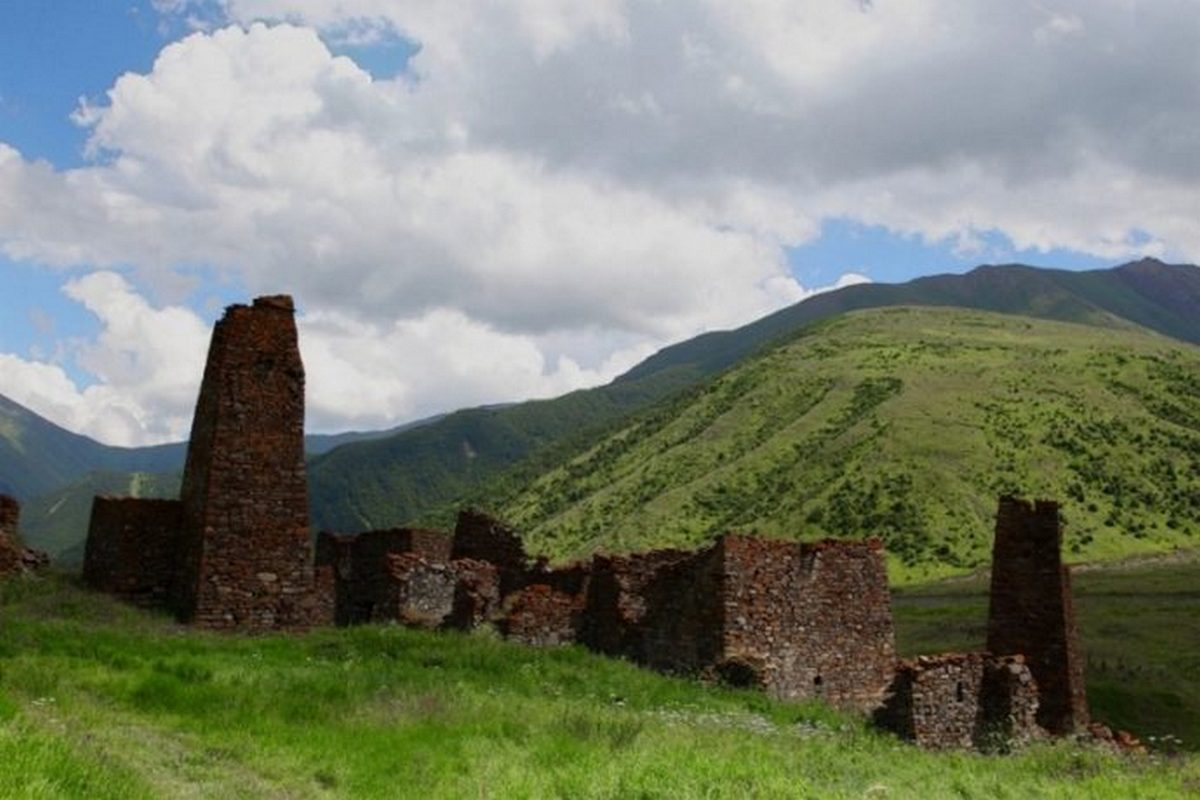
x=1031 y=610
x=244 y=549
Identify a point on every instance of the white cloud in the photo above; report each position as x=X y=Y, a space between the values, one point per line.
x=562 y=185
x=147 y=363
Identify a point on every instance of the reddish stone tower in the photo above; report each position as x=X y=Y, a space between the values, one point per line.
x=245 y=554
x=1031 y=610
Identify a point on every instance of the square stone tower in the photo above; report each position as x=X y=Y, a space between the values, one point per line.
x=1031 y=610
x=245 y=557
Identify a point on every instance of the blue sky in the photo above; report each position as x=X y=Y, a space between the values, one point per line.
x=476 y=205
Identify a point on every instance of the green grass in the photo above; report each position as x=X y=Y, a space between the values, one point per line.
x=1140 y=626
x=905 y=423
x=99 y=700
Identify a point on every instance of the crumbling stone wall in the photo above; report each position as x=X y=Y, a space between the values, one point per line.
x=962 y=701
x=683 y=628
x=14 y=557
x=550 y=609
x=478 y=536
x=359 y=563
x=131 y=548
x=754 y=612
x=1032 y=612
x=476 y=594
x=460 y=594
x=10 y=551
x=420 y=593
x=617 y=600
x=814 y=619
x=10 y=516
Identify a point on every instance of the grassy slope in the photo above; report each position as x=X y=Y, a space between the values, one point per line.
x=377 y=483
x=101 y=701
x=404 y=477
x=903 y=423
x=1140 y=625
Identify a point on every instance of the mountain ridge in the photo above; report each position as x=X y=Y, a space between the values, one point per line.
x=904 y=422
x=366 y=480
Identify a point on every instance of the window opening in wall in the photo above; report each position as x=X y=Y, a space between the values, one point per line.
x=959 y=693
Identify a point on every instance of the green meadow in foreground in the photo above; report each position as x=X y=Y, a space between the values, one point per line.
x=98 y=700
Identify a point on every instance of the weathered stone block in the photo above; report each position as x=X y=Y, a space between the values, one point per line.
x=962 y=701
x=131 y=548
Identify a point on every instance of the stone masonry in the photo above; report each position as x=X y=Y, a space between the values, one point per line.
x=478 y=536
x=10 y=552
x=131 y=548
x=362 y=574
x=617 y=609
x=15 y=558
x=241 y=557
x=246 y=557
x=774 y=614
x=962 y=701
x=1032 y=612
x=748 y=611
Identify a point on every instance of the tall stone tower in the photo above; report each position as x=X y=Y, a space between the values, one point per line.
x=1031 y=610
x=244 y=548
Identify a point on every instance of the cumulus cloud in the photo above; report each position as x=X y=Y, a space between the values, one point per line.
x=566 y=186
x=146 y=361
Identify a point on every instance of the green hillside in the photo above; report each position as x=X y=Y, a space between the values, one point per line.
x=404 y=477
x=388 y=478
x=903 y=423
x=57 y=522
x=388 y=481
x=37 y=456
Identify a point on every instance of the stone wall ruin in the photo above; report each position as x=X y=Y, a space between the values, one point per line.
x=131 y=548
x=962 y=701
x=798 y=620
x=14 y=557
x=750 y=611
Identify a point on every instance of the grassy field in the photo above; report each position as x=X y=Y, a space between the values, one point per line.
x=905 y=423
x=98 y=700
